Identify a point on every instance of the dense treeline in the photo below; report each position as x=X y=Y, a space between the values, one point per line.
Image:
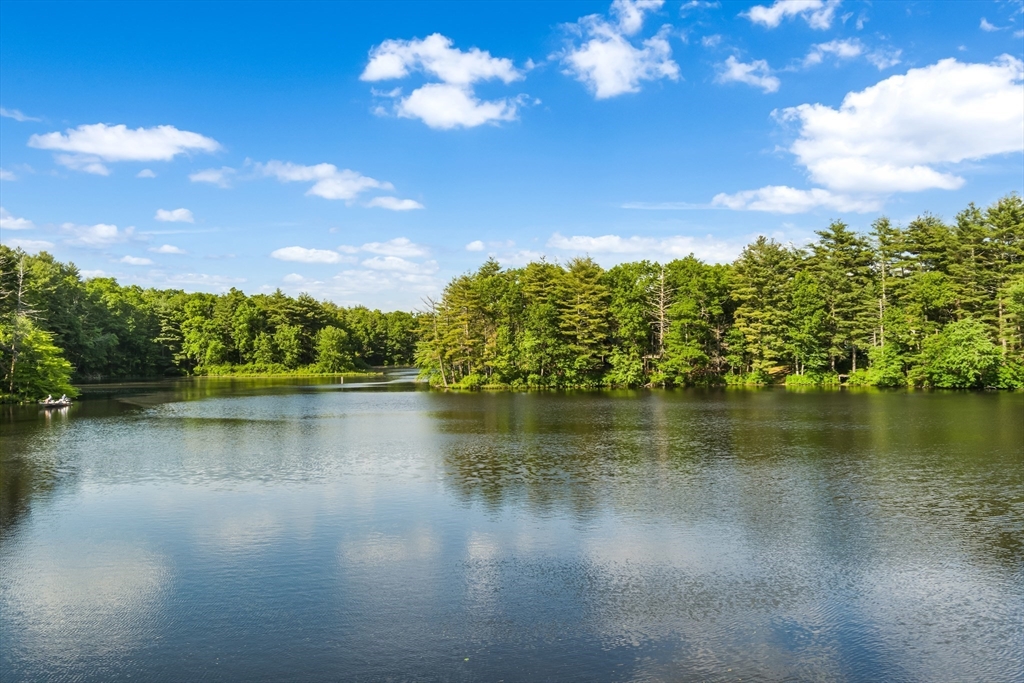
x=56 y=328
x=931 y=304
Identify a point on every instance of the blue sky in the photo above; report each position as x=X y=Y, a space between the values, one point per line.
x=366 y=153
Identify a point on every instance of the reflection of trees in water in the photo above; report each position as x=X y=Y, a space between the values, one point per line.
x=830 y=468
x=29 y=470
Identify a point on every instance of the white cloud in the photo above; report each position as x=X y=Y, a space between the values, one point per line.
x=99 y=235
x=887 y=138
x=303 y=255
x=89 y=145
x=168 y=249
x=174 y=216
x=608 y=62
x=475 y=245
x=435 y=56
x=757 y=74
x=221 y=177
x=884 y=58
x=9 y=222
x=89 y=274
x=840 y=49
x=698 y=4
x=82 y=162
x=329 y=181
x=146 y=173
x=28 y=245
x=783 y=199
x=444 y=106
x=630 y=13
x=135 y=261
x=394 y=203
x=451 y=103
x=399 y=246
x=711 y=41
x=658 y=249
x=401 y=265
x=7 y=175
x=817 y=13
x=989 y=27
x=16 y=115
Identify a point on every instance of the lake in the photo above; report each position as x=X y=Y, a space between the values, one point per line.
x=306 y=530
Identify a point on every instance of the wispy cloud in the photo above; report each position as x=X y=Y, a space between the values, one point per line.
x=16 y=115
x=757 y=73
x=135 y=261
x=221 y=177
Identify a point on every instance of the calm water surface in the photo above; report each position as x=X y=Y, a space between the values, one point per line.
x=247 y=531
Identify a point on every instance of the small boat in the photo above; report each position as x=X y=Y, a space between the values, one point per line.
x=56 y=404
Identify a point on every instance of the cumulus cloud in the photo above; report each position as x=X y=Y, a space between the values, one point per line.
x=394 y=203
x=99 y=235
x=451 y=103
x=783 y=199
x=989 y=27
x=435 y=55
x=617 y=248
x=88 y=146
x=174 y=216
x=9 y=222
x=145 y=173
x=303 y=255
x=900 y=135
x=890 y=136
x=16 y=115
x=221 y=177
x=475 y=245
x=135 y=261
x=167 y=249
x=444 y=106
x=328 y=180
x=757 y=73
x=817 y=13
x=609 y=61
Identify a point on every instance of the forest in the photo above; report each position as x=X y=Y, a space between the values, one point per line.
x=932 y=304
x=57 y=329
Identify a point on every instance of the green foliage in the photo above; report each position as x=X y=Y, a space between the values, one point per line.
x=930 y=304
x=332 y=352
x=889 y=310
x=33 y=365
x=105 y=330
x=961 y=356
